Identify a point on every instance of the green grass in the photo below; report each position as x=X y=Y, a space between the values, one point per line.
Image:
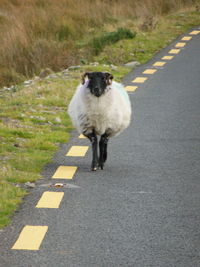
x=29 y=131
x=10 y=198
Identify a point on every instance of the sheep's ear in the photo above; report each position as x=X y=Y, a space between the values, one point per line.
x=109 y=78
x=84 y=77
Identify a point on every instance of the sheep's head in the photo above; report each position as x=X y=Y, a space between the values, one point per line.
x=97 y=82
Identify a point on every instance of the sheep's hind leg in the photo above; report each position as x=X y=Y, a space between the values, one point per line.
x=94 y=141
x=103 y=150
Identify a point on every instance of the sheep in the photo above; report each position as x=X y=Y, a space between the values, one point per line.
x=100 y=106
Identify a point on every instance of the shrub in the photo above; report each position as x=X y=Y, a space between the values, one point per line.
x=98 y=43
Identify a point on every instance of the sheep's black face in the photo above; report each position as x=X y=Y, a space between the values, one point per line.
x=98 y=81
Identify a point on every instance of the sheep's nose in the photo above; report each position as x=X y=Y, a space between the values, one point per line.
x=97 y=91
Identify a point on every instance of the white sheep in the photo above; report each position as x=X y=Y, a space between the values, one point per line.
x=102 y=107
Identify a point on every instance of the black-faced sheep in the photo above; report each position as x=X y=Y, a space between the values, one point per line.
x=102 y=107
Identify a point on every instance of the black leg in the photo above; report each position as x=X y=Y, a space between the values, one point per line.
x=103 y=150
x=94 y=141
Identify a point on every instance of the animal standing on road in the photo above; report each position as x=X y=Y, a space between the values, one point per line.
x=100 y=106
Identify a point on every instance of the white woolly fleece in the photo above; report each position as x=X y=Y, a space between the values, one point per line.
x=110 y=113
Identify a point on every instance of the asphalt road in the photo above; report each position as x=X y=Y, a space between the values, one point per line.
x=144 y=209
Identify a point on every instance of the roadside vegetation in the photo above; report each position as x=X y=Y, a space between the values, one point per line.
x=36 y=34
x=43 y=34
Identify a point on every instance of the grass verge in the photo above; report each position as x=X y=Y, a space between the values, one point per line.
x=33 y=119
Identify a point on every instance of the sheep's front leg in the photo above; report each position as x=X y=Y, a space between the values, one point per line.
x=103 y=150
x=94 y=141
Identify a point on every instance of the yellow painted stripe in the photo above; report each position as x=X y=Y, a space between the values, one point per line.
x=50 y=200
x=81 y=136
x=174 y=51
x=186 y=38
x=167 y=57
x=77 y=151
x=139 y=80
x=180 y=45
x=149 y=71
x=195 y=32
x=30 y=237
x=159 y=63
x=65 y=172
x=131 y=88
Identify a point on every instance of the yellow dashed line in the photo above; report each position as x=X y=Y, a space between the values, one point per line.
x=81 y=136
x=139 y=80
x=77 y=151
x=50 y=200
x=30 y=237
x=195 y=32
x=186 y=38
x=149 y=71
x=65 y=172
x=174 y=51
x=180 y=45
x=167 y=57
x=131 y=88
x=159 y=64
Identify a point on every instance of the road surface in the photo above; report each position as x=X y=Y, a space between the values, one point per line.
x=143 y=209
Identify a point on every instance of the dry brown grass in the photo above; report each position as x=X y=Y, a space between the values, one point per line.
x=43 y=33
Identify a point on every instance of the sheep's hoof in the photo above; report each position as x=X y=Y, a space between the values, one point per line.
x=101 y=165
x=94 y=167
